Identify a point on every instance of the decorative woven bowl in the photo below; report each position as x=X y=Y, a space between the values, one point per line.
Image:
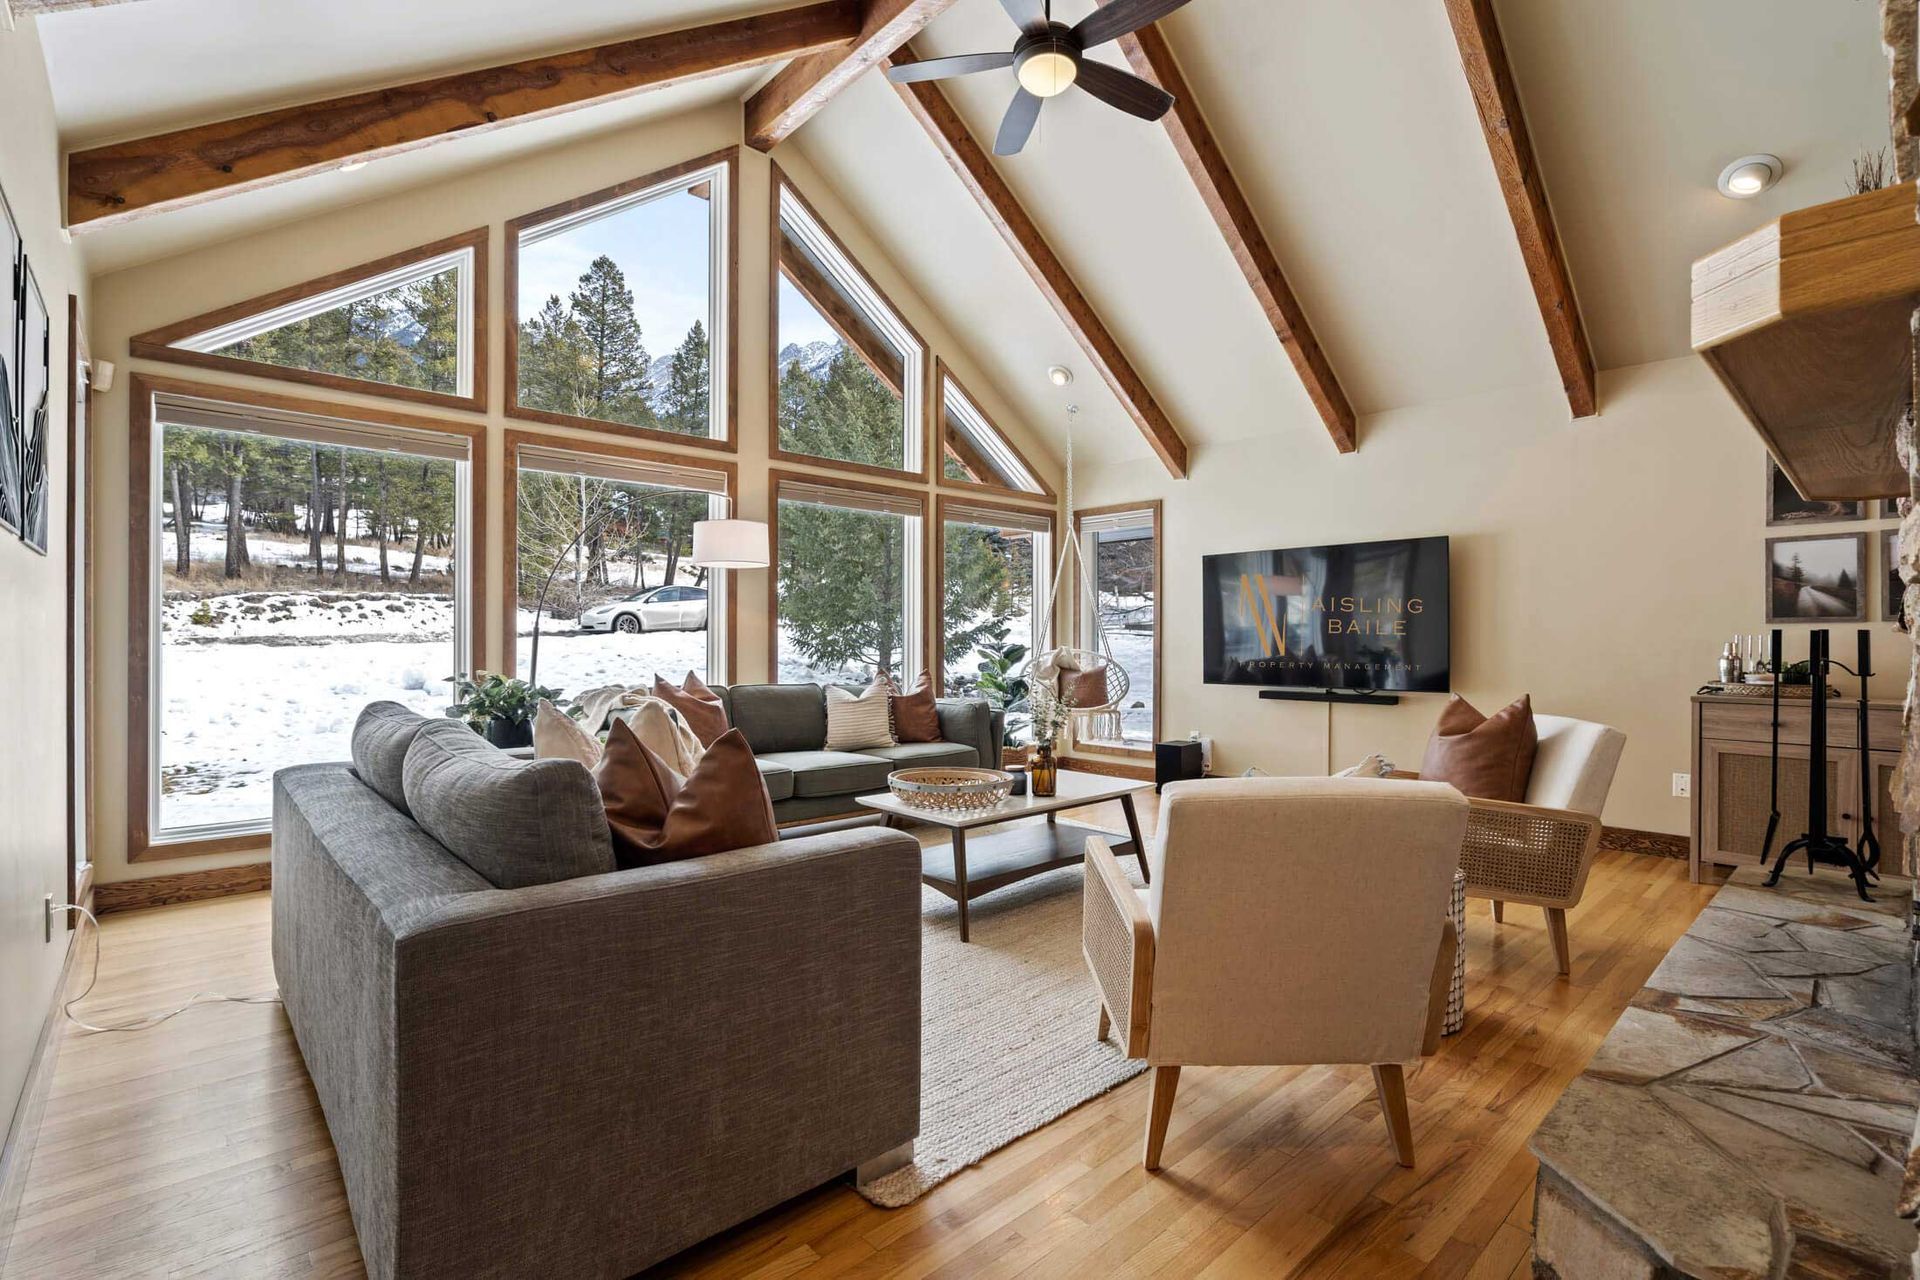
x=950 y=790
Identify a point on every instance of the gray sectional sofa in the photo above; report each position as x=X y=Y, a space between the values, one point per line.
x=786 y=725
x=581 y=1076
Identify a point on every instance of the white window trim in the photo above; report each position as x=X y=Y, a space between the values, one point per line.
x=981 y=434
x=460 y=261
x=913 y=579
x=795 y=217
x=167 y=411
x=556 y=459
x=719 y=281
x=1089 y=623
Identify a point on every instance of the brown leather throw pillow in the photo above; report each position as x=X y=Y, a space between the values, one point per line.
x=698 y=705
x=1083 y=689
x=657 y=816
x=915 y=717
x=1485 y=757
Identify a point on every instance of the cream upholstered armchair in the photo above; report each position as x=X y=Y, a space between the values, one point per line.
x=1540 y=852
x=1290 y=921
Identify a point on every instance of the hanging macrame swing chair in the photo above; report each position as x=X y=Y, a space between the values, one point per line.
x=1089 y=682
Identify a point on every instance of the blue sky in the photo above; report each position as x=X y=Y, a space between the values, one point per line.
x=662 y=247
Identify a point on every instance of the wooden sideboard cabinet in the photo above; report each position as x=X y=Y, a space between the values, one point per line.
x=1731 y=748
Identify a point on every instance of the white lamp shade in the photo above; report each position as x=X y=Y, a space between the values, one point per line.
x=730 y=544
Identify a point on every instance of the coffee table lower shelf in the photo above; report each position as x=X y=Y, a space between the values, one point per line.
x=976 y=865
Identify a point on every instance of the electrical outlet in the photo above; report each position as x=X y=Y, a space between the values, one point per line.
x=46 y=910
x=1683 y=784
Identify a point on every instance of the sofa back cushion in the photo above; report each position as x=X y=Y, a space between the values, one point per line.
x=381 y=737
x=516 y=822
x=780 y=717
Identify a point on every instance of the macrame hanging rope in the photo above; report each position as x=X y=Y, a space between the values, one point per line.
x=1067 y=670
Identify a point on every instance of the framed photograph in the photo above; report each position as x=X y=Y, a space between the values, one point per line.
x=1786 y=506
x=1892 y=590
x=1820 y=578
x=12 y=271
x=35 y=420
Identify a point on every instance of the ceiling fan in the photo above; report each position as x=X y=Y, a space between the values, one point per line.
x=1048 y=60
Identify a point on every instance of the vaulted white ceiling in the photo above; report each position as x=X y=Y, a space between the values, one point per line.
x=1348 y=123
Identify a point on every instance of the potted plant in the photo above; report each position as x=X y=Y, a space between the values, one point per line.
x=500 y=708
x=1006 y=691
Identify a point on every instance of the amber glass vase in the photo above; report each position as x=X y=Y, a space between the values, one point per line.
x=1043 y=772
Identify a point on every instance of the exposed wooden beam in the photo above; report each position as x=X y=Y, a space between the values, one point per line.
x=809 y=83
x=126 y=179
x=976 y=172
x=29 y=8
x=1193 y=141
x=1483 y=56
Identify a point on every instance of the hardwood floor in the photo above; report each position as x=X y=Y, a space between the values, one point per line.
x=197 y=1148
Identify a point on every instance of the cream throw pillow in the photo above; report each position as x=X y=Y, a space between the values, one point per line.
x=856 y=722
x=661 y=730
x=558 y=736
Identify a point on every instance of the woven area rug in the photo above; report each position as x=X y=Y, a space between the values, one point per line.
x=1007 y=1028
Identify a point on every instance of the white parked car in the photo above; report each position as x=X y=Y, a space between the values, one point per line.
x=656 y=609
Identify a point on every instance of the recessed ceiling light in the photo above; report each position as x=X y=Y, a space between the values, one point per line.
x=353 y=166
x=1059 y=375
x=1750 y=175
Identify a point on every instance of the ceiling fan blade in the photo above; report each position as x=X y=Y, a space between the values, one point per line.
x=1120 y=89
x=1017 y=126
x=1026 y=14
x=943 y=68
x=1111 y=21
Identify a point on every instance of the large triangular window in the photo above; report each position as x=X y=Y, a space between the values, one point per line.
x=850 y=370
x=973 y=452
x=407 y=326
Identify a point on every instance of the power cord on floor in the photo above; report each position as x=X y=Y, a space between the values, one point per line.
x=151 y=1020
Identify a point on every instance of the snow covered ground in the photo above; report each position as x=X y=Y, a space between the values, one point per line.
x=233 y=713
x=574 y=661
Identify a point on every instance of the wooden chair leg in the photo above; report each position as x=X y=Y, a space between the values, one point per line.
x=1106 y=1021
x=1499 y=911
x=1159 y=1112
x=1557 y=929
x=1390 y=1082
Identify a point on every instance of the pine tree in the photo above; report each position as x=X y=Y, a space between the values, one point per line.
x=685 y=399
x=618 y=385
x=553 y=361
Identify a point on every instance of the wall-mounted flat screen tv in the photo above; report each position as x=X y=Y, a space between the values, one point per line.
x=1360 y=616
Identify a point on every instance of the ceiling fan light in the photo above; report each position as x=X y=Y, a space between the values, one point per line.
x=1048 y=73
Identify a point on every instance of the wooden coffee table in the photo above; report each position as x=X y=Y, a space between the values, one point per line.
x=973 y=867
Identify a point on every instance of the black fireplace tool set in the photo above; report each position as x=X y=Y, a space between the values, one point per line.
x=1862 y=859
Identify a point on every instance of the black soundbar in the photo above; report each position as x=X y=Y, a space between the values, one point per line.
x=1361 y=698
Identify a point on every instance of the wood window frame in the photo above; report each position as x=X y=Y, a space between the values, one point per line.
x=777 y=478
x=157 y=344
x=942 y=503
x=778 y=185
x=141 y=602
x=942 y=375
x=80 y=614
x=727 y=256
x=513 y=441
x=1154 y=507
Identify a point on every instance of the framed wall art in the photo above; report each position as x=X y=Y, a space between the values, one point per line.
x=1817 y=578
